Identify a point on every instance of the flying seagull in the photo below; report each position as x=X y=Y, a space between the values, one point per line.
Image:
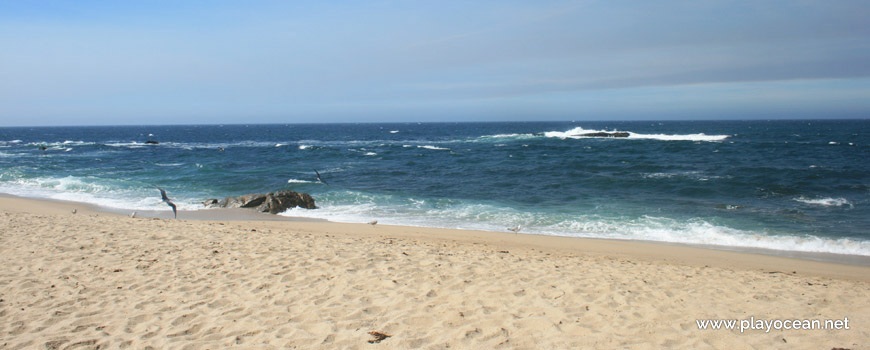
x=320 y=178
x=515 y=229
x=168 y=202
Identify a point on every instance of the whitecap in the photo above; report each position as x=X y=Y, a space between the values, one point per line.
x=394 y=131
x=297 y=181
x=659 y=175
x=370 y=154
x=133 y=144
x=502 y=137
x=304 y=146
x=825 y=202
x=694 y=175
x=60 y=145
x=434 y=148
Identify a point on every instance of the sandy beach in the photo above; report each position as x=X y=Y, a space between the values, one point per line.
x=91 y=279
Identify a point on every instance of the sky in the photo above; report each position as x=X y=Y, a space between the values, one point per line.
x=220 y=62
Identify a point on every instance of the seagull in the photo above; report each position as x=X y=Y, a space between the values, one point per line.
x=515 y=229
x=320 y=178
x=168 y=202
x=133 y=215
x=74 y=211
x=375 y=222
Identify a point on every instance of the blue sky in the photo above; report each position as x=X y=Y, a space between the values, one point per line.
x=193 y=62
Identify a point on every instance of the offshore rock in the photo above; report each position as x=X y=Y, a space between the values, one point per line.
x=272 y=202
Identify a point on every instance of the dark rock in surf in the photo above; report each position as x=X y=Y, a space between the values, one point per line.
x=151 y=142
x=272 y=202
x=604 y=134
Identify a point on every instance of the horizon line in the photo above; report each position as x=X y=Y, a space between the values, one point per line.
x=447 y=122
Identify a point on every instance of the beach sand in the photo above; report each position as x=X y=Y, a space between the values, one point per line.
x=101 y=280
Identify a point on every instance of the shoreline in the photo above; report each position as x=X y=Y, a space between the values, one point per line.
x=821 y=264
x=247 y=215
x=106 y=280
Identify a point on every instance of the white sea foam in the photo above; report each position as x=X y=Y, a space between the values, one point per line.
x=394 y=131
x=694 y=175
x=297 y=181
x=387 y=209
x=92 y=191
x=132 y=144
x=659 y=175
x=454 y=214
x=7 y=154
x=825 y=202
x=686 y=137
x=370 y=154
x=504 y=137
x=434 y=148
x=304 y=146
x=61 y=144
x=197 y=145
x=576 y=132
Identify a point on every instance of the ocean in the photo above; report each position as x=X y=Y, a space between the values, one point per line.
x=799 y=186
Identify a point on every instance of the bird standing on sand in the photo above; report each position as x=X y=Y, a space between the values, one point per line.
x=515 y=229
x=320 y=178
x=168 y=202
x=374 y=222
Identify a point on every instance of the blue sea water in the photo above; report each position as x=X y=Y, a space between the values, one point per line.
x=786 y=185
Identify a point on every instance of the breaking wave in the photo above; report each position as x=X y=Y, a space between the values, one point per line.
x=356 y=207
x=578 y=132
x=825 y=202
